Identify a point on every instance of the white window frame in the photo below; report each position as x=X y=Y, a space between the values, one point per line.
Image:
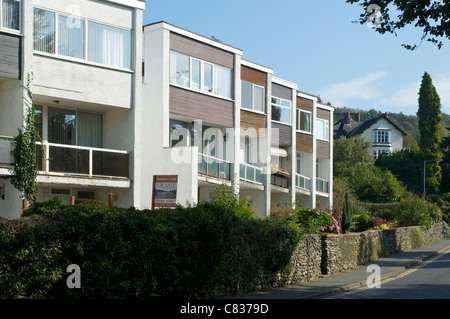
x=282 y=106
x=382 y=136
x=326 y=131
x=299 y=111
x=202 y=88
x=2 y=28
x=85 y=58
x=253 y=109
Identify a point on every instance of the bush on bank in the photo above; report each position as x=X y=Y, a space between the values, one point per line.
x=130 y=253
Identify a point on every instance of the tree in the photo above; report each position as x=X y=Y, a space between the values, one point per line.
x=347 y=212
x=351 y=156
x=430 y=118
x=353 y=163
x=433 y=17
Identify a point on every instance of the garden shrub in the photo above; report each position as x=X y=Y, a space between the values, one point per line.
x=414 y=211
x=315 y=221
x=130 y=253
x=379 y=223
x=361 y=222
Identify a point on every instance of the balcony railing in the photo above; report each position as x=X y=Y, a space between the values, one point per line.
x=303 y=182
x=251 y=173
x=322 y=185
x=280 y=179
x=213 y=167
x=80 y=160
x=6 y=159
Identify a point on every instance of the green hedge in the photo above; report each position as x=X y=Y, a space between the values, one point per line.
x=130 y=253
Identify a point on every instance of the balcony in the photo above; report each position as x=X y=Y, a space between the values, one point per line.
x=303 y=182
x=322 y=185
x=251 y=173
x=214 y=167
x=79 y=160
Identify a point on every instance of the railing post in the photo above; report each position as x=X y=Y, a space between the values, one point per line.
x=90 y=162
x=24 y=205
x=110 y=200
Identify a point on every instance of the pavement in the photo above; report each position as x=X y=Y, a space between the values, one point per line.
x=390 y=267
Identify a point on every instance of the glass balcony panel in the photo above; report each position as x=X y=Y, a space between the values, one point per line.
x=68 y=160
x=202 y=169
x=110 y=164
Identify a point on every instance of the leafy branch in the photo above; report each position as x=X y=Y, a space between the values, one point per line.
x=24 y=150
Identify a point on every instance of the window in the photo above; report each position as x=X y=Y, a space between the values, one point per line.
x=109 y=45
x=179 y=69
x=303 y=121
x=281 y=110
x=44 y=31
x=71 y=37
x=222 y=81
x=70 y=127
x=199 y=75
x=252 y=96
x=10 y=14
x=104 y=44
x=377 y=153
x=196 y=71
x=381 y=136
x=322 y=129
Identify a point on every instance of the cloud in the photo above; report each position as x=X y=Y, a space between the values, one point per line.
x=364 y=88
x=442 y=85
x=407 y=97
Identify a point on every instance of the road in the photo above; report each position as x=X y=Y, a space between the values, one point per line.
x=428 y=280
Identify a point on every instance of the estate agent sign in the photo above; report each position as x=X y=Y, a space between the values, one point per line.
x=164 y=191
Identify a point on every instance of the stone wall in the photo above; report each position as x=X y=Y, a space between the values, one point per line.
x=318 y=255
x=345 y=252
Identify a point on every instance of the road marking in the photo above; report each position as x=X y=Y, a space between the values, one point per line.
x=403 y=274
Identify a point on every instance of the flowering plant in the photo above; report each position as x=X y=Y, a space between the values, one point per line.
x=277 y=168
x=315 y=221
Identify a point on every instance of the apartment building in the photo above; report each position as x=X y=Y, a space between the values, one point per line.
x=211 y=117
x=153 y=116
x=85 y=61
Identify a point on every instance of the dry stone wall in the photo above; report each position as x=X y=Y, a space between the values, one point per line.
x=318 y=255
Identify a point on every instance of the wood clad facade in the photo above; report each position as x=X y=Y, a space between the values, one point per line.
x=196 y=105
x=199 y=106
x=305 y=104
x=10 y=56
x=305 y=141
x=323 y=147
x=284 y=135
x=200 y=50
x=252 y=121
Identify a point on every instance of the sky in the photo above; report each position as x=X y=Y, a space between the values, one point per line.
x=315 y=44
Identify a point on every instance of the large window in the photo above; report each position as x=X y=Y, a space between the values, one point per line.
x=303 y=121
x=322 y=129
x=10 y=14
x=200 y=75
x=69 y=127
x=381 y=136
x=281 y=110
x=252 y=96
x=104 y=44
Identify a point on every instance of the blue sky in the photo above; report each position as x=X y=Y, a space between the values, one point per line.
x=316 y=45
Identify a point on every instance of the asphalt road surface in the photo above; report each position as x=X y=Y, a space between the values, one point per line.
x=428 y=280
